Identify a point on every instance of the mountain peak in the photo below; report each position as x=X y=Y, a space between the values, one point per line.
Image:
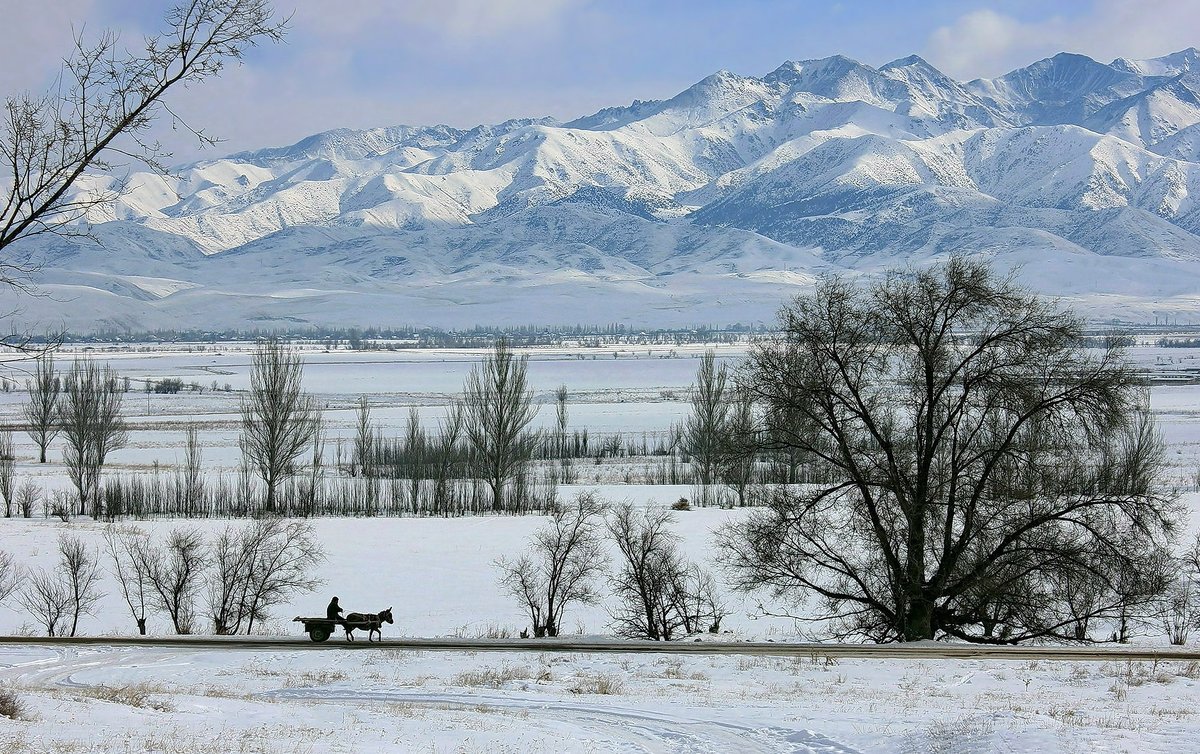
x=912 y=61
x=1174 y=64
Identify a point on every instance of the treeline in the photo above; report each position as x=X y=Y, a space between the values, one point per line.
x=1178 y=342
x=226 y=585
x=480 y=457
x=377 y=338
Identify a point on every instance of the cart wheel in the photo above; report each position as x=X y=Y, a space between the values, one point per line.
x=318 y=633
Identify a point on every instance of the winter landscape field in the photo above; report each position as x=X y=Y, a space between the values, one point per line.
x=440 y=576
x=647 y=378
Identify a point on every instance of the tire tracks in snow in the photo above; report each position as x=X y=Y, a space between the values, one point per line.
x=60 y=669
x=635 y=729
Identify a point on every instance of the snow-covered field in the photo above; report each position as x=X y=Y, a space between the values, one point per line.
x=126 y=701
x=440 y=576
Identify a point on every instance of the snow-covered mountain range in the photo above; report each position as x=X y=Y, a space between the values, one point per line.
x=712 y=206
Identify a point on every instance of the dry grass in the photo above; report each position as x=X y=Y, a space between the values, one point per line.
x=15 y=745
x=315 y=678
x=11 y=705
x=486 y=631
x=493 y=678
x=598 y=684
x=673 y=669
x=140 y=695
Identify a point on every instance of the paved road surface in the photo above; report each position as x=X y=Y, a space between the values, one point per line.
x=916 y=650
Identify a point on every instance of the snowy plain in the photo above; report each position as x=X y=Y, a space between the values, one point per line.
x=440 y=576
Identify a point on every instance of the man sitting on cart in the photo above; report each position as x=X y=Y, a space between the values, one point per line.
x=334 y=611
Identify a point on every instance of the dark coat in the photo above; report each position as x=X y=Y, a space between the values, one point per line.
x=334 y=611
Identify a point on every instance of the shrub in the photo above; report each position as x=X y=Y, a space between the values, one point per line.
x=11 y=705
x=598 y=684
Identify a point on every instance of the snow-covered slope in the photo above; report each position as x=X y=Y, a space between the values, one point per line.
x=712 y=205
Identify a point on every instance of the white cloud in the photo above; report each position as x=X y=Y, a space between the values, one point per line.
x=988 y=43
x=454 y=20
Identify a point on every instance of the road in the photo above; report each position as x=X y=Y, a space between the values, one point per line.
x=911 y=651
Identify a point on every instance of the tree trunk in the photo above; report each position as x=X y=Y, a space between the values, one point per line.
x=43 y=455
x=497 y=495
x=918 y=618
x=141 y=623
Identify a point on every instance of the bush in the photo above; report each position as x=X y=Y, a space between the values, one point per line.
x=11 y=705
x=598 y=684
x=681 y=504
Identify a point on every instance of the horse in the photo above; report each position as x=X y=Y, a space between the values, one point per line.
x=373 y=622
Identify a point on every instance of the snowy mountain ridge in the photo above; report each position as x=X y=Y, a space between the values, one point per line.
x=710 y=206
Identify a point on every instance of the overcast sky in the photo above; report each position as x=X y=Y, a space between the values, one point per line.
x=361 y=63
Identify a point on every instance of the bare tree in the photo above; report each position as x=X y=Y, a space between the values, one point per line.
x=103 y=107
x=1178 y=610
x=130 y=551
x=740 y=438
x=41 y=411
x=980 y=462
x=28 y=495
x=450 y=432
x=499 y=408
x=46 y=599
x=565 y=473
x=560 y=416
x=312 y=487
x=362 y=461
x=176 y=573
x=192 y=481
x=10 y=575
x=257 y=567
x=8 y=465
x=79 y=569
x=228 y=582
x=704 y=429
x=90 y=416
x=659 y=594
x=278 y=419
x=565 y=557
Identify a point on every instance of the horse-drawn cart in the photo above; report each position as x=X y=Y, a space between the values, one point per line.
x=319 y=629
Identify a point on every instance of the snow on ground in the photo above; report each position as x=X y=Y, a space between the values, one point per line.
x=440 y=576
x=179 y=702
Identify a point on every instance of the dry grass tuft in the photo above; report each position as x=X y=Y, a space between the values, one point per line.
x=493 y=678
x=486 y=631
x=140 y=695
x=598 y=684
x=11 y=705
x=315 y=678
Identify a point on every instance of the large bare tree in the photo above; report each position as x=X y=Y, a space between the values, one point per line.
x=986 y=466
x=565 y=557
x=89 y=414
x=100 y=112
x=79 y=571
x=705 y=427
x=10 y=575
x=8 y=464
x=129 y=549
x=498 y=410
x=257 y=567
x=41 y=411
x=278 y=419
x=176 y=571
x=659 y=594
